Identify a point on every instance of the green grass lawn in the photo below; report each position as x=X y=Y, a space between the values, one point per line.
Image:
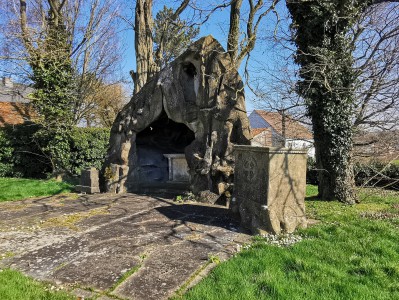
x=15 y=286
x=353 y=253
x=19 y=188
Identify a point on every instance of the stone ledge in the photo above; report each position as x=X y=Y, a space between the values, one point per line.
x=270 y=149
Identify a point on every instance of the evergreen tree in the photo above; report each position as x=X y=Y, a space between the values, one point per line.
x=171 y=36
x=52 y=76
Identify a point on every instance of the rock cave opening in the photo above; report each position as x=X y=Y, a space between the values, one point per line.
x=160 y=147
x=189 y=82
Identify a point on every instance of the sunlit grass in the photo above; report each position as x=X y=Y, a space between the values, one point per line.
x=19 y=188
x=15 y=286
x=349 y=254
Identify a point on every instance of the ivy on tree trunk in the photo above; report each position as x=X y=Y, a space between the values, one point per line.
x=327 y=80
x=52 y=76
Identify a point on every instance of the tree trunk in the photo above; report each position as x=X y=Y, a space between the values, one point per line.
x=234 y=29
x=334 y=156
x=145 y=65
x=327 y=86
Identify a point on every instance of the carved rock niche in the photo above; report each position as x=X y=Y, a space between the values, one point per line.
x=195 y=107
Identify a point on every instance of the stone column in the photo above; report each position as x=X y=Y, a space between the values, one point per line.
x=269 y=188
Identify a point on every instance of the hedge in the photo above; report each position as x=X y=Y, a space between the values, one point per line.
x=21 y=154
x=26 y=160
x=88 y=147
x=374 y=173
x=377 y=174
x=6 y=151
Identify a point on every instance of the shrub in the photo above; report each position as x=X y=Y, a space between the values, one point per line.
x=27 y=159
x=311 y=172
x=6 y=164
x=88 y=147
x=22 y=151
x=377 y=174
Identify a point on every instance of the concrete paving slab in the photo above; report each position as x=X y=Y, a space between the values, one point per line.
x=128 y=246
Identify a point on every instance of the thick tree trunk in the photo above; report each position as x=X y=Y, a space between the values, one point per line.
x=327 y=86
x=145 y=65
x=334 y=154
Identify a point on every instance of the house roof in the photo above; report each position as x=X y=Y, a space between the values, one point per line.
x=262 y=137
x=293 y=129
x=15 y=106
x=256 y=131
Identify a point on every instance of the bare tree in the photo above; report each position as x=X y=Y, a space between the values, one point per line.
x=376 y=38
x=97 y=52
x=240 y=45
x=94 y=47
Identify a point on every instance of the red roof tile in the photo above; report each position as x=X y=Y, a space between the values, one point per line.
x=13 y=113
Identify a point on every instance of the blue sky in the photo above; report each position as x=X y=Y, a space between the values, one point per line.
x=265 y=55
x=266 y=59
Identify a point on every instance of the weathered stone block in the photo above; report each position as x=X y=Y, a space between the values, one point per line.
x=89 y=181
x=208 y=197
x=269 y=189
x=177 y=166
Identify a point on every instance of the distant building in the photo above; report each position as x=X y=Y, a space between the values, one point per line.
x=275 y=129
x=376 y=145
x=15 y=107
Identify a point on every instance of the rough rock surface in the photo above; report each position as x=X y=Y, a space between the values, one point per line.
x=129 y=246
x=200 y=89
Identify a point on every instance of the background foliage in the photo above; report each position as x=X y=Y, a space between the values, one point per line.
x=171 y=36
x=377 y=173
x=22 y=153
x=88 y=148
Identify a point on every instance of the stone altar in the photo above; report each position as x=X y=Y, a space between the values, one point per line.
x=177 y=167
x=269 y=188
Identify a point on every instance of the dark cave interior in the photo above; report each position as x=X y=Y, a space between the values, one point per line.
x=163 y=136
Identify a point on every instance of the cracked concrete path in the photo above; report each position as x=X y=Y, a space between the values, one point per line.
x=121 y=246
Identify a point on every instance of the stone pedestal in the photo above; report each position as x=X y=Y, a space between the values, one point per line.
x=89 y=182
x=269 y=188
x=178 y=168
